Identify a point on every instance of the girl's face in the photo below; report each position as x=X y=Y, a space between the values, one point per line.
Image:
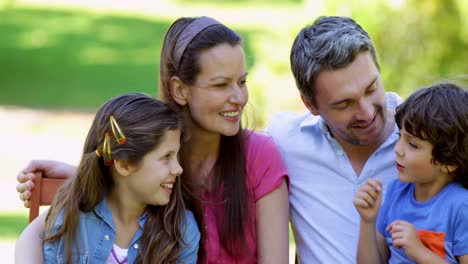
x=219 y=94
x=414 y=162
x=151 y=182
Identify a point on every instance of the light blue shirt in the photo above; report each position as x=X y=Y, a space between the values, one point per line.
x=323 y=184
x=96 y=236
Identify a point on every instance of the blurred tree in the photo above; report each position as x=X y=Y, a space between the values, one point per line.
x=418 y=42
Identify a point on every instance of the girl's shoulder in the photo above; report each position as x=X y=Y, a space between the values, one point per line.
x=190 y=231
x=189 y=224
x=191 y=237
x=189 y=218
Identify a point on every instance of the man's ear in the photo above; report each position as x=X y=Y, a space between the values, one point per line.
x=179 y=91
x=122 y=167
x=309 y=105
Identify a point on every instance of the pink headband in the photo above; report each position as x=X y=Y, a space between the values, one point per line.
x=188 y=34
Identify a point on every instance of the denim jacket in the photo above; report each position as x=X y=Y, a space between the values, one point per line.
x=96 y=236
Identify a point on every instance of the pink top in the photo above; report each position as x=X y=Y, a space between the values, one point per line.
x=265 y=173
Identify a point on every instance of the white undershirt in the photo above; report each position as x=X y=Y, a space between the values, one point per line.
x=119 y=253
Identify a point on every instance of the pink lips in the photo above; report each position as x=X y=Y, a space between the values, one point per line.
x=231 y=118
x=399 y=167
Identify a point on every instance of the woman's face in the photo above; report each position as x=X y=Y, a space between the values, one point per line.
x=217 y=98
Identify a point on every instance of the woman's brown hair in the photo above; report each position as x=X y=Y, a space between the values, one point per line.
x=230 y=166
x=144 y=121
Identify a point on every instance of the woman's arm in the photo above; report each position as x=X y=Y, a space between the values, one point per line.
x=49 y=168
x=272 y=213
x=28 y=247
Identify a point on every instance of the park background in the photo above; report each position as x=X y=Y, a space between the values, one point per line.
x=61 y=59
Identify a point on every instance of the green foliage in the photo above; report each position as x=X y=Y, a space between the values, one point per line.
x=240 y=2
x=11 y=225
x=75 y=59
x=418 y=42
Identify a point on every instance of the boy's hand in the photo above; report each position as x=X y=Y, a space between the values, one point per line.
x=404 y=235
x=367 y=200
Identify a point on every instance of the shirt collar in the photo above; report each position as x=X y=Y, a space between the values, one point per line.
x=103 y=211
x=310 y=120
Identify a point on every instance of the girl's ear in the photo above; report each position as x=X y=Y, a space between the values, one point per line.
x=122 y=167
x=179 y=91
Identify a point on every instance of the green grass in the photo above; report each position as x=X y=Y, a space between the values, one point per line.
x=12 y=224
x=77 y=59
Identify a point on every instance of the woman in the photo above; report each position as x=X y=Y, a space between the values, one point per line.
x=234 y=180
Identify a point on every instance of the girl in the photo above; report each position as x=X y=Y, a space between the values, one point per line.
x=234 y=179
x=125 y=203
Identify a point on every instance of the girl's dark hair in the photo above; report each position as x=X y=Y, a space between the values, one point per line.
x=230 y=167
x=439 y=114
x=144 y=121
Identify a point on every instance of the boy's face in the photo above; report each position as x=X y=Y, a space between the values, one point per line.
x=414 y=162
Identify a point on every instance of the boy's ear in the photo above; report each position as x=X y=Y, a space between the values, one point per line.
x=309 y=105
x=449 y=168
x=122 y=167
x=179 y=91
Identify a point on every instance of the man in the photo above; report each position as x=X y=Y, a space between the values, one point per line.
x=347 y=137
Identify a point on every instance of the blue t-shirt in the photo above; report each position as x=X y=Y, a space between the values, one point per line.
x=441 y=222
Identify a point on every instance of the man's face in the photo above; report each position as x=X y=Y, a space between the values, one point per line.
x=351 y=100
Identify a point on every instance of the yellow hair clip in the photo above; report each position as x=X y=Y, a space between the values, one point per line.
x=106 y=151
x=120 y=137
x=97 y=153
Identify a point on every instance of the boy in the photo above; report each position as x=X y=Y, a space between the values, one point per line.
x=425 y=215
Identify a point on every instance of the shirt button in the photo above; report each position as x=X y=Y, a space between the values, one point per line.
x=135 y=246
x=106 y=237
x=206 y=226
x=340 y=152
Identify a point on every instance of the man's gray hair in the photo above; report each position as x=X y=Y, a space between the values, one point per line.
x=329 y=43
